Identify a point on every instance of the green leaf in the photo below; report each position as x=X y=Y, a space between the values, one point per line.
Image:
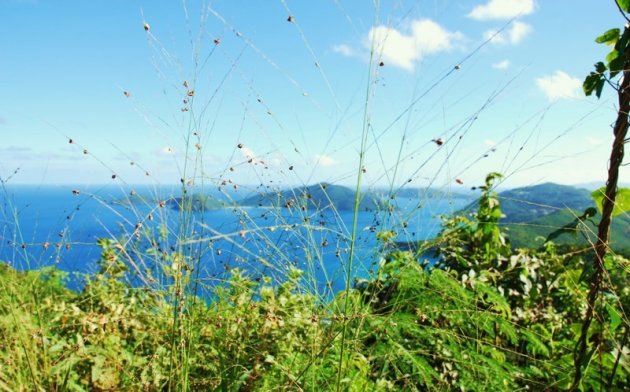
x=615 y=319
x=622 y=200
x=609 y=37
x=534 y=344
x=593 y=82
x=600 y=67
x=622 y=43
x=624 y=5
x=615 y=61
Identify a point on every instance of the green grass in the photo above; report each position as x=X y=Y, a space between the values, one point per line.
x=488 y=325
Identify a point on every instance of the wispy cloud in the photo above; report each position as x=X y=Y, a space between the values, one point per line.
x=503 y=64
x=345 y=50
x=325 y=160
x=514 y=35
x=560 y=85
x=403 y=49
x=502 y=9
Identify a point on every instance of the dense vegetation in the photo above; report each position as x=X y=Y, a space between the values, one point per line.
x=484 y=318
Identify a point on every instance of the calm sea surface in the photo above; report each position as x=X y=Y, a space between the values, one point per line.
x=52 y=225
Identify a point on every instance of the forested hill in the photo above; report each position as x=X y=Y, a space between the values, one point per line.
x=318 y=196
x=527 y=203
x=550 y=211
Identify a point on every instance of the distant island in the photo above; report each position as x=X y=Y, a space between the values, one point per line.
x=197 y=202
x=432 y=193
x=316 y=197
x=532 y=214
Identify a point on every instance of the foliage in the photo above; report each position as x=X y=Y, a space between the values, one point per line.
x=622 y=200
x=483 y=318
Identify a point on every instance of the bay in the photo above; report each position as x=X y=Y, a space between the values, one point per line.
x=59 y=225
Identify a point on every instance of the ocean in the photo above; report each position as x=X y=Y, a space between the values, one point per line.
x=59 y=225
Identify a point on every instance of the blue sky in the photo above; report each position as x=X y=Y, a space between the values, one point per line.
x=294 y=93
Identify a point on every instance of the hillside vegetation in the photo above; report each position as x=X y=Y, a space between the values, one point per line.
x=316 y=197
x=484 y=318
x=534 y=213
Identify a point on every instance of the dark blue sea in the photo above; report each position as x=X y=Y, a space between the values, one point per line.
x=60 y=225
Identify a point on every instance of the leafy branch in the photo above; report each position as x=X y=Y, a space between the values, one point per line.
x=617 y=63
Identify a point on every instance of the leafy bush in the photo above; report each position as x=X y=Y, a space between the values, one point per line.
x=483 y=318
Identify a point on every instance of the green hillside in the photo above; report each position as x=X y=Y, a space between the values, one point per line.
x=527 y=203
x=533 y=213
x=533 y=233
x=319 y=196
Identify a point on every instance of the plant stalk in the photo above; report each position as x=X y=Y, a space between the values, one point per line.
x=603 y=230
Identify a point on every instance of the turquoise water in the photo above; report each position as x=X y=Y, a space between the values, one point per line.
x=52 y=225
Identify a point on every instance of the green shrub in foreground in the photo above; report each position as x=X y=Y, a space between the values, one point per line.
x=486 y=317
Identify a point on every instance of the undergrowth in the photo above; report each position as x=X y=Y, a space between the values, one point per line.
x=484 y=318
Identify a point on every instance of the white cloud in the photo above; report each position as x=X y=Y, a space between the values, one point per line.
x=344 y=50
x=519 y=31
x=248 y=153
x=560 y=85
x=503 y=64
x=594 y=141
x=515 y=34
x=489 y=143
x=502 y=9
x=167 y=150
x=402 y=50
x=325 y=160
